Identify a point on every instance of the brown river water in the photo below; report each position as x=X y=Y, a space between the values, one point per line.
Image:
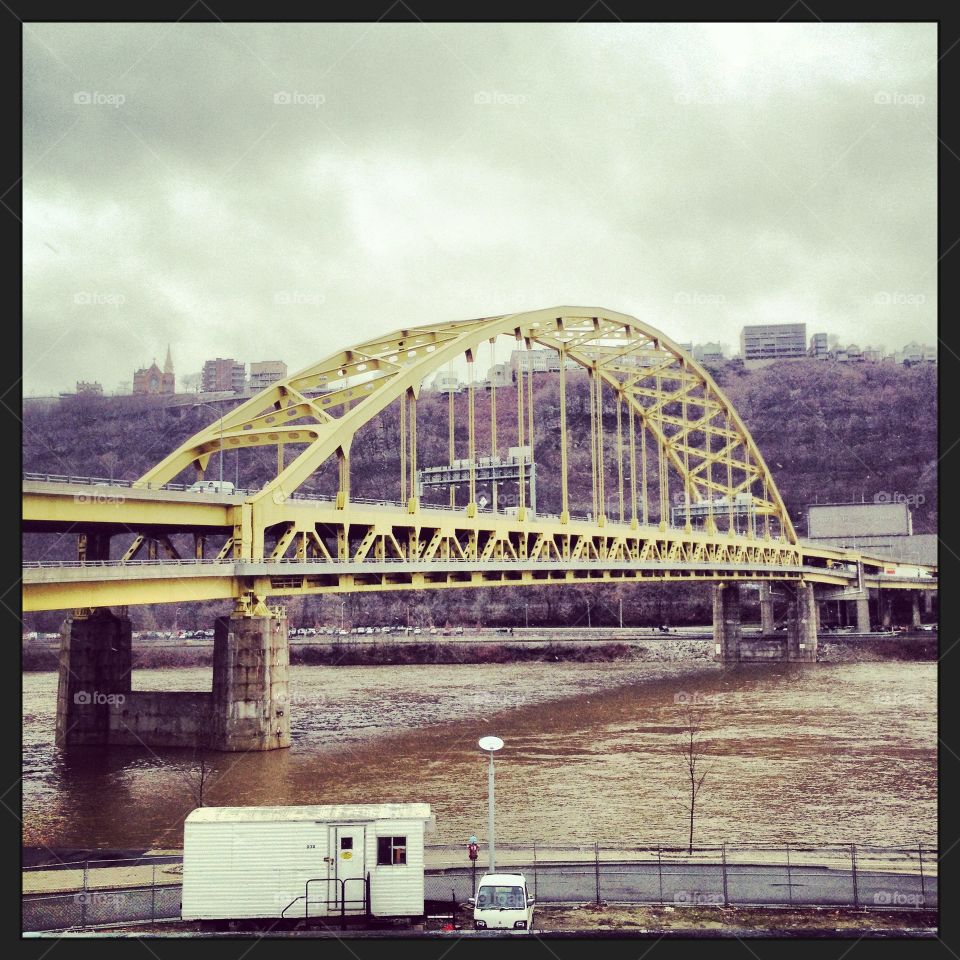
x=822 y=753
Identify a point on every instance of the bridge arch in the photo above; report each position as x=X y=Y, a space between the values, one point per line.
x=321 y=407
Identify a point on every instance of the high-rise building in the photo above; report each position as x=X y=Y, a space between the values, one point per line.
x=224 y=376
x=819 y=346
x=153 y=380
x=265 y=372
x=769 y=342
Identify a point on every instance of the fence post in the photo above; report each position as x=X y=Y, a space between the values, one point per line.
x=153 y=894
x=83 y=896
x=660 y=873
x=534 y=869
x=853 y=870
x=596 y=866
x=923 y=891
x=789 y=875
x=723 y=861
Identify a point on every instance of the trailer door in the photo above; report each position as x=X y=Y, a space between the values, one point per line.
x=350 y=868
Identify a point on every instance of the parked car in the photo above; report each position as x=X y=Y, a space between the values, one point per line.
x=502 y=903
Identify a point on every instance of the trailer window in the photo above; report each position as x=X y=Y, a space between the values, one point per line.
x=391 y=851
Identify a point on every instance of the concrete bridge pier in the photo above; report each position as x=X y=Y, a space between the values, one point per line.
x=767 y=620
x=727 y=626
x=802 y=624
x=915 y=620
x=885 y=603
x=863 y=614
x=251 y=666
x=95 y=663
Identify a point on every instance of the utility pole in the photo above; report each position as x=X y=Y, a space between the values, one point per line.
x=589 y=623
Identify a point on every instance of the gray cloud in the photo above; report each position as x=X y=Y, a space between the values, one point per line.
x=265 y=191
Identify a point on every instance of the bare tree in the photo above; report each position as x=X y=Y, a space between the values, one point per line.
x=691 y=750
x=110 y=460
x=198 y=778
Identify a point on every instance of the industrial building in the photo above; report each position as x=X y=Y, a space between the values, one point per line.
x=883 y=529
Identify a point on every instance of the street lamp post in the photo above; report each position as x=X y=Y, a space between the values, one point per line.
x=491 y=745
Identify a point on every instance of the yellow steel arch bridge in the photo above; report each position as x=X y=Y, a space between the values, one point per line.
x=692 y=496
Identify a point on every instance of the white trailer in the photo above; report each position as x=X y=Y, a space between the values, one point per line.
x=312 y=861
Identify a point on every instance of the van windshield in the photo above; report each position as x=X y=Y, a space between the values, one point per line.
x=506 y=898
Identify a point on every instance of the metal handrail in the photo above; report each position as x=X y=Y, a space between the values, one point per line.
x=375 y=561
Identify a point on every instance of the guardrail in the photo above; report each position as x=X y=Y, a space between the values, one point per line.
x=375 y=561
x=250 y=491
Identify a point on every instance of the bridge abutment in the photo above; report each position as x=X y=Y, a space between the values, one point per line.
x=95 y=663
x=247 y=710
x=251 y=667
x=727 y=626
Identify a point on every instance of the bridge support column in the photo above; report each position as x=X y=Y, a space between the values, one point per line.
x=767 y=621
x=95 y=661
x=802 y=624
x=251 y=661
x=915 y=620
x=727 y=628
x=886 y=609
x=863 y=615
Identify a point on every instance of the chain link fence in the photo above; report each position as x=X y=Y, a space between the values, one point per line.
x=99 y=893
x=852 y=876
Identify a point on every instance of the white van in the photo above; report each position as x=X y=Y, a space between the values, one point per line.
x=212 y=486
x=502 y=903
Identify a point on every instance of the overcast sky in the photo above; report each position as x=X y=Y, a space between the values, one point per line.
x=262 y=191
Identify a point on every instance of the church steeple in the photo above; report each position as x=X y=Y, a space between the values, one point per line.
x=168 y=363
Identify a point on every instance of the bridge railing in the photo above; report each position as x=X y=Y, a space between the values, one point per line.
x=252 y=491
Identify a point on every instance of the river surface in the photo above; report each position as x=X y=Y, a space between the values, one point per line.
x=813 y=753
